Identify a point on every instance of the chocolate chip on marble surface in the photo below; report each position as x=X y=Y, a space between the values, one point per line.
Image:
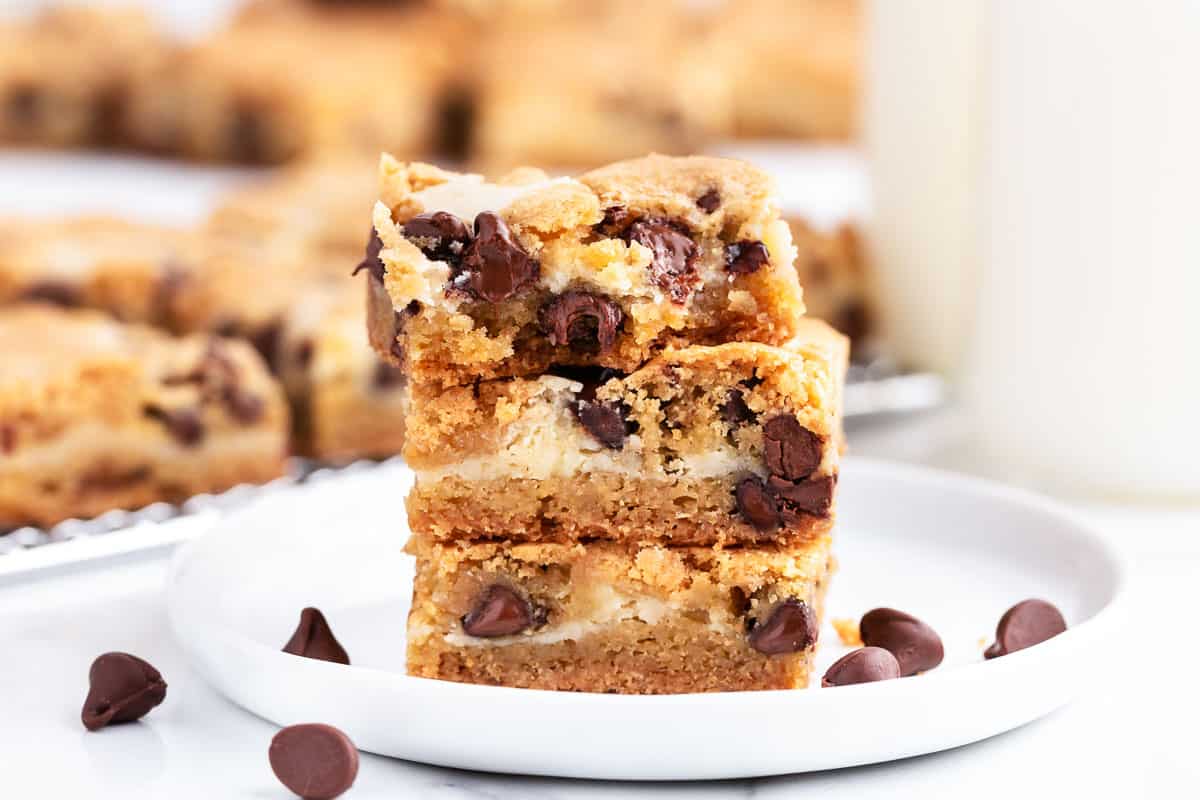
x=756 y=504
x=314 y=761
x=606 y=422
x=791 y=450
x=496 y=265
x=864 y=665
x=121 y=688
x=916 y=646
x=1027 y=623
x=57 y=293
x=744 y=258
x=710 y=201
x=499 y=611
x=734 y=410
x=790 y=628
x=813 y=496
x=585 y=322
x=441 y=236
x=184 y=424
x=314 y=638
x=673 y=255
x=371 y=262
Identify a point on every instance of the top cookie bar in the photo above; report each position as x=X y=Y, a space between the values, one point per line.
x=476 y=280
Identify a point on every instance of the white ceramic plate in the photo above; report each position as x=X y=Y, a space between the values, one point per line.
x=954 y=551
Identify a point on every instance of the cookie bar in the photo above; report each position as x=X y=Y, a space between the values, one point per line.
x=733 y=444
x=833 y=270
x=607 y=618
x=347 y=403
x=96 y=415
x=473 y=280
x=133 y=271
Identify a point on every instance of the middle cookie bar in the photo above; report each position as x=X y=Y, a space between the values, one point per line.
x=730 y=444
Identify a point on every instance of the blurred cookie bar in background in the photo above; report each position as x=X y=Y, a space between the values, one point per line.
x=833 y=270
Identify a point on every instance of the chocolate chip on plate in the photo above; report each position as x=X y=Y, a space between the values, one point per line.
x=757 y=505
x=371 y=262
x=498 y=266
x=585 y=322
x=440 y=235
x=744 y=258
x=314 y=761
x=710 y=201
x=314 y=639
x=673 y=255
x=121 y=688
x=791 y=450
x=1027 y=623
x=916 y=646
x=790 y=628
x=813 y=496
x=604 y=421
x=864 y=665
x=498 y=611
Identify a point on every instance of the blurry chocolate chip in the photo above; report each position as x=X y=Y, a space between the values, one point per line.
x=498 y=611
x=792 y=627
x=592 y=377
x=604 y=421
x=266 y=341
x=8 y=438
x=916 y=646
x=21 y=105
x=314 y=761
x=744 y=258
x=756 y=504
x=441 y=236
x=587 y=323
x=107 y=480
x=387 y=377
x=455 y=122
x=243 y=407
x=314 y=638
x=710 y=201
x=497 y=266
x=616 y=220
x=853 y=319
x=246 y=137
x=303 y=355
x=813 y=496
x=184 y=424
x=58 y=293
x=673 y=255
x=371 y=262
x=734 y=410
x=121 y=688
x=864 y=665
x=791 y=450
x=1027 y=623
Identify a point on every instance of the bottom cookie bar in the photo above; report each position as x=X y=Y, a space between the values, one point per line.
x=601 y=617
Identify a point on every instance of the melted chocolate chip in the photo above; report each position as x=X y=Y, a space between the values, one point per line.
x=916 y=646
x=121 y=688
x=314 y=761
x=498 y=611
x=587 y=323
x=744 y=258
x=606 y=422
x=441 y=236
x=58 y=293
x=813 y=496
x=616 y=220
x=792 y=627
x=1027 y=623
x=757 y=505
x=865 y=665
x=673 y=255
x=371 y=262
x=592 y=377
x=791 y=450
x=184 y=424
x=314 y=638
x=734 y=410
x=496 y=265
x=710 y=201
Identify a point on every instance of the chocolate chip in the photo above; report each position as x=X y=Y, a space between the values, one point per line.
x=853 y=319
x=184 y=424
x=1027 y=623
x=791 y=450
x=606 y=422
x=246 y=137
x=441 y=236
x=916 y=646
x=757 y=505
x=744 y=258
x=314 y=761
x=371 y=262
x=592 y=377
x=585 y=322
x=813 y=496
x=734 y=410
x=57 y=293
x=387 y=377
x=266 y=341
x=710 y=201
x=616 y=220
x=673 y=255
x=314 y=639
x=108 y=113
x=865 y=665
x=243 y=407
x=792 y=627
x=497 y=267
x=456 y=114
x=21 y=105
x=498 y=611
x=121 y=688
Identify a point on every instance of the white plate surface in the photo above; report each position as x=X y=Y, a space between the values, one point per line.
x=954 y=551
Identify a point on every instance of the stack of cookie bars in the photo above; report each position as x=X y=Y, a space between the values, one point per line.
x=624 y=434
